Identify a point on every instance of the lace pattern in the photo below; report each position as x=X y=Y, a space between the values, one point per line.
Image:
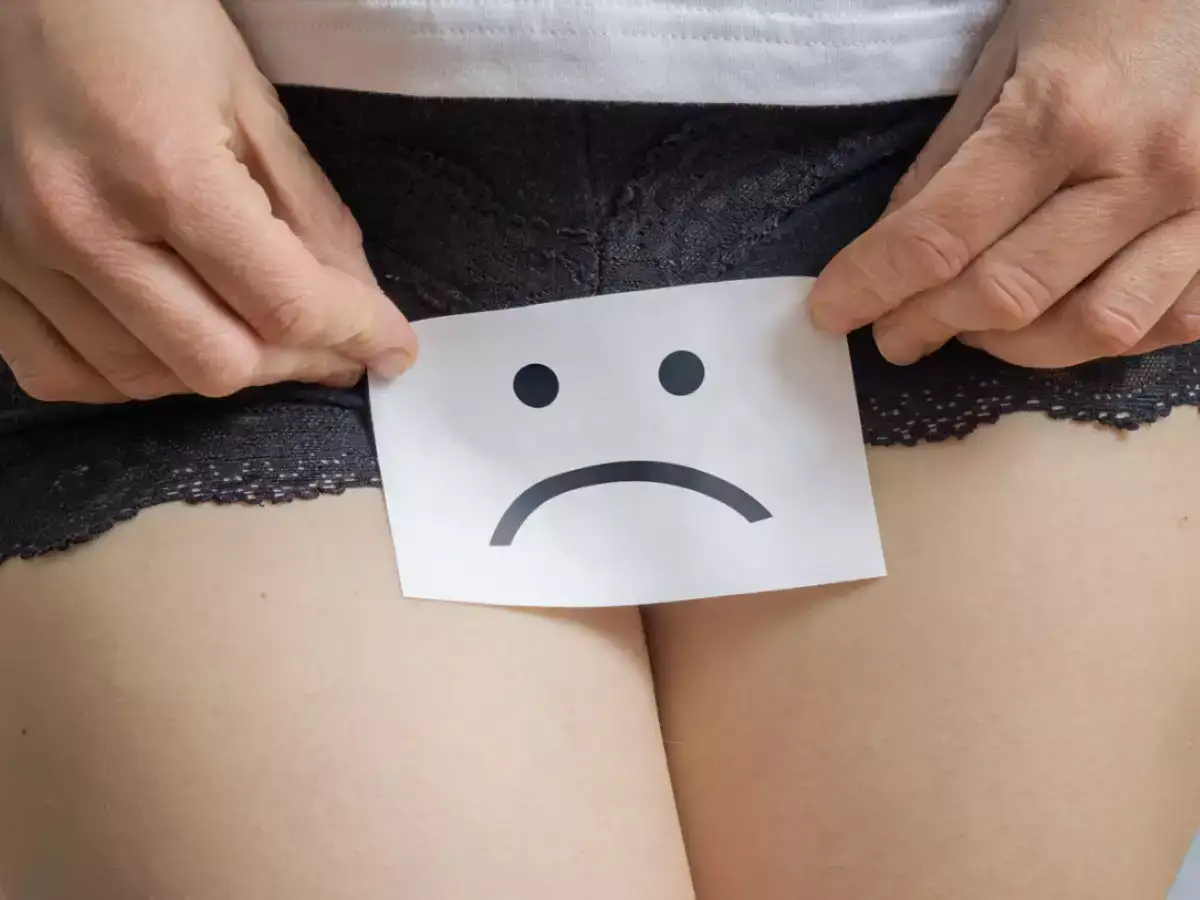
x=471 y=205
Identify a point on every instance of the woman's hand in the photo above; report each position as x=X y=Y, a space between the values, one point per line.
x=1055 y=216
x=162 y=230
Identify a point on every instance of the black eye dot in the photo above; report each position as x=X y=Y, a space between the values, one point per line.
x=535 y=385
x=681 y=373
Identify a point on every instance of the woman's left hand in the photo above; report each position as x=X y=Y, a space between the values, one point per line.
x=1054 y=217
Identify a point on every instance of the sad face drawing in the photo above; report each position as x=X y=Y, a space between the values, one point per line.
x=624 y=449
x=680 y=374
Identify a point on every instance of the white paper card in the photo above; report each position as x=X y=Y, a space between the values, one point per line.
x=636 y=448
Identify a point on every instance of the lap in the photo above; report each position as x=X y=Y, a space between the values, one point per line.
x=235 y=702
x=1012 y=712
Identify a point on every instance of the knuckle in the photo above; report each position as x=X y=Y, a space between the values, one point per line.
x=162 y=162
x=162 y=168
x=137 y=375
x=184 y=185
x=58 y=208
x=220 y=370
x=1063 y=101
x=937 y=251
x=173 y=199
x=1111 y=328
x=1168 y=160
x=1013 y=295
x=173 y=184
x=291 y=320
x=1183 y=325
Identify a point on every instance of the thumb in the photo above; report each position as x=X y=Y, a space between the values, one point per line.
x=976 y=99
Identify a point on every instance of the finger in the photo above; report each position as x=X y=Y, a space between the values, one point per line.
x=224 y=227
x=1020 y=277
x=1180 y=325
x=1003 y=172
x=166 y=306
x=91 y=331
x=978 y=95
x=1112 y=313
x=40 y=360
x=299 y=191
x=325 y=367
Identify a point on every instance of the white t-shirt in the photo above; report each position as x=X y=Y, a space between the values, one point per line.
x=792 y=52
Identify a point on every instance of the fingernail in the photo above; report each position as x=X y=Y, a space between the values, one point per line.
x=392 y=364
x=896 y=345
x=822 y=319
x=344 y=379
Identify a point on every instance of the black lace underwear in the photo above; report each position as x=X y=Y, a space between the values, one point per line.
x=481 y=204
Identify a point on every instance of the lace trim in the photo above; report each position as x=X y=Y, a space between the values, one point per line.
x=475 y=205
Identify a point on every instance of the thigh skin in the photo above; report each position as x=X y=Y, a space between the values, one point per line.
x=235 y=703
x=1013 y=712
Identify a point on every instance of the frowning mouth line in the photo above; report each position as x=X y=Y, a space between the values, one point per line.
x=633 y=471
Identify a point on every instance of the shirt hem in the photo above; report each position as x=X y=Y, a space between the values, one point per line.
x=630 y=51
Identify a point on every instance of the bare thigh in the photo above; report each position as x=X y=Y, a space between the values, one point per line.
x=1013 y=712
x=237 y=703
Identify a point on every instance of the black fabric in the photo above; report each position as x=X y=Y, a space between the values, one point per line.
x=481 y=204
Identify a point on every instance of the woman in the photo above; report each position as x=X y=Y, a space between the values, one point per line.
x=233 y=700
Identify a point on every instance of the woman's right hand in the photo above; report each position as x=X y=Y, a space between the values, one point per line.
x=162 y=228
